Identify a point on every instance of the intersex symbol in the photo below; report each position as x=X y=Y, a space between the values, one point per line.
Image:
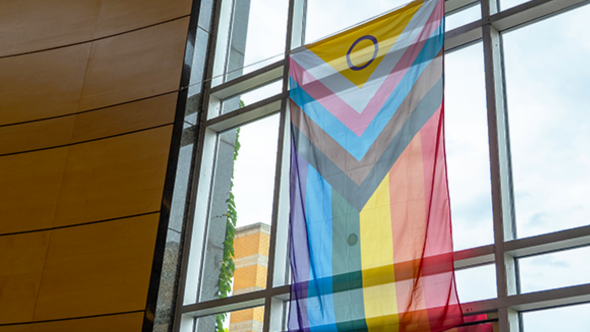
x=375 y=44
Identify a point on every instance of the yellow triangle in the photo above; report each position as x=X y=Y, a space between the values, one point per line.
x=385 y=30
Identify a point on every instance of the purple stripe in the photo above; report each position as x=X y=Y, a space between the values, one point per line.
x=299 y=253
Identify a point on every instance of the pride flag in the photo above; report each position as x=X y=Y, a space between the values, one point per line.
x=371 y=247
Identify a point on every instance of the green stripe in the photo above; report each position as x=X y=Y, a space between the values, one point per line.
x=347 y=280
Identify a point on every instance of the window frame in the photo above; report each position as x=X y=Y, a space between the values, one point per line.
x=503 y=253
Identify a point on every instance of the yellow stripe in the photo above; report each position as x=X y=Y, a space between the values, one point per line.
x=377 y=262
x=386 y=29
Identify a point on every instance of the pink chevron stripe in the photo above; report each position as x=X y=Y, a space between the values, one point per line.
x=356 y=122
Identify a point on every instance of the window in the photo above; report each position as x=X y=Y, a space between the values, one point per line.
x=517 y=125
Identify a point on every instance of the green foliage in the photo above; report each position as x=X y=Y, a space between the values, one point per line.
x=227 y=262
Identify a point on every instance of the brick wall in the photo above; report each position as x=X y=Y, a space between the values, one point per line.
x=251 y=257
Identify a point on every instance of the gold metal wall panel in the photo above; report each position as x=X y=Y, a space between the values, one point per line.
x=30 y=185
x=22 y=257
x=104 y=122
x=36 y=135
x=124 y=118
x=33 y=25
x=43 y=84
x=114 y=323
x=97 y=269
x=117 y=16
x=135 y=65
x=114 y=177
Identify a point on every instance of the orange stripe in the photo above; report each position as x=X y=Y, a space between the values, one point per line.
x=408 y=225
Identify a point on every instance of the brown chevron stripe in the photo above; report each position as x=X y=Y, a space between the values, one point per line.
x=358 y=170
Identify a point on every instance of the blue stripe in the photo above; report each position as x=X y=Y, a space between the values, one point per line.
x=320 y=301
x=358 y=146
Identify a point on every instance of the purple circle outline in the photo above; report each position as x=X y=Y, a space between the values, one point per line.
x=365 y=37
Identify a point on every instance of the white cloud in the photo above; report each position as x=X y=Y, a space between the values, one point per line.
x=467 y=148
x=255 y=171
x=549 y=123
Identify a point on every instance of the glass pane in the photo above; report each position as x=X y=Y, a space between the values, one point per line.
x=251 y=97
x=250 y=319
x=478 y=283
x=194 y=98
x=560 y=269
x=255 y=171
x=463 y=17
x=325 y=17
x=240 y=210
x=468 y=158
x=571 y=318
x=254 y=37
x=547 y=82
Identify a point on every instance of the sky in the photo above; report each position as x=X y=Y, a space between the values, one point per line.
x=547 y=85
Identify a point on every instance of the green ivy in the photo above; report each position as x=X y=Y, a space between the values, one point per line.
x=227 y=263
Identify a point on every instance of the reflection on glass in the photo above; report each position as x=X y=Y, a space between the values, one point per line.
x=251 y=97
x=478 y=283
x=236 y=252
x=198 y=65
x=547 y=82
x=325 y=17
x=571 y=318
x=468 y=156
x=463 y=17
x=250 y=319
x=256 y=37
x=555 y=270
x=194 y=98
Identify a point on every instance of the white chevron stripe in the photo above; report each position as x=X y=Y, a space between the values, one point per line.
x=356 y=97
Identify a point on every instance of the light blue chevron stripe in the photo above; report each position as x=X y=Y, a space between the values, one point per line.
x=358 y=146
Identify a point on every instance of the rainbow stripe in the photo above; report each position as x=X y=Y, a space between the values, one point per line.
x=371 y=246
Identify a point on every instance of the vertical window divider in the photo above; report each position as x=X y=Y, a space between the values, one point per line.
x=506 y=271
x=294 y=37
x=181 y=321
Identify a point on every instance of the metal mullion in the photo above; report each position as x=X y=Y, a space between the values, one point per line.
x=520 y=248
x=249 y=81
x=530 y=12
x=226 y=304
x=274 y=220
x=550 y=298
x=506 y=279
x=455 y=6
x=279 y=167
x=548 y=243
x=474 y=257
x=237 y=302
x=463 y=36
x=539 y=300
x=246 y=114
x=197 y=162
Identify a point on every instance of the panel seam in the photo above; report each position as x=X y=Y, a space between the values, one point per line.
x=87 y=141
x=73 y=318
x=80 y=224
x=95 y=39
